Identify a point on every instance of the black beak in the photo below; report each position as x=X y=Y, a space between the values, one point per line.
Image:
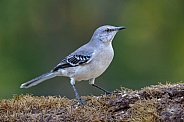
x=120 y=27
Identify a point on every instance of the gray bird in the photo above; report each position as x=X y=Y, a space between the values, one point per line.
x=87 y=62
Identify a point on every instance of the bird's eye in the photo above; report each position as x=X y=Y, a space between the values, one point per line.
x=107 y=30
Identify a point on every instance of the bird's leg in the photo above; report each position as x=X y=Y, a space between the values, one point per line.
x=72 y=81
x=91 y=81
x=107 y=92
x=77 y=95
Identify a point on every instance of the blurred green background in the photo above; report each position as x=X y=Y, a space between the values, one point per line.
x=36 y=35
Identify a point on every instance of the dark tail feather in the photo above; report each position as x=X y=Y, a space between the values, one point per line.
x=38 y=80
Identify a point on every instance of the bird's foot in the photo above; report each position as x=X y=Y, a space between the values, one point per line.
x=80 y=101
x=108 y=92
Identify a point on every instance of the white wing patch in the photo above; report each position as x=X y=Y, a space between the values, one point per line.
x=74 y=60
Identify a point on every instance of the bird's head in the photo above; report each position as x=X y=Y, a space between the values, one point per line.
x=106 y=33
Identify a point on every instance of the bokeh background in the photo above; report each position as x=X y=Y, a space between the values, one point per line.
x=36 y=35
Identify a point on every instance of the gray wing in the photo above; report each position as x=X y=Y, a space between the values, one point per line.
x=74 y=60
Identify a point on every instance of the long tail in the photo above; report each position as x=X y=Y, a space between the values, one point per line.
x=38 y=80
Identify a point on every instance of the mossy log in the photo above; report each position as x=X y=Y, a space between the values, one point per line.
x=159 y=103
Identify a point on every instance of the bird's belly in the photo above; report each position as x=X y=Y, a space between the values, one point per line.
x=93 y=69
x=89 y=72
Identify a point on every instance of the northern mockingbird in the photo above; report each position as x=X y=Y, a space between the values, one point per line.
x=86 y=63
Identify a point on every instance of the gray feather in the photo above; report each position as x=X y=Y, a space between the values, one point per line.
x=75 y=59
x=38 y=80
